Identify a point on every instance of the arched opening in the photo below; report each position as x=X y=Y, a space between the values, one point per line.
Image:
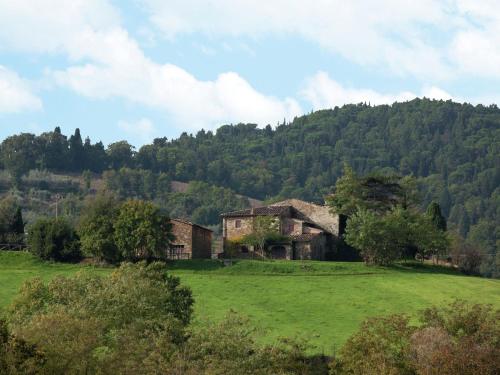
x=278 y=252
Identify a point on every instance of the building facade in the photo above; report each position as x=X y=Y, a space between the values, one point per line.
x=192 y=241
x=310 y=231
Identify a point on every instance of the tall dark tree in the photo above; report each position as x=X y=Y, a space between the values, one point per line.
x=434 y=212
x=76 y=152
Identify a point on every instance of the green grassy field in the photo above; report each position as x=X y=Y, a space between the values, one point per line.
x=323 y=302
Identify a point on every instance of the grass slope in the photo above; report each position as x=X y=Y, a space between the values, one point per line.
x=323 y=302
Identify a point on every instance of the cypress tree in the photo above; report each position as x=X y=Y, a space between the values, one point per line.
x=434 y=212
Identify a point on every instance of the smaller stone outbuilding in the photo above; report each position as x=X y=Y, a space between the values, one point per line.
x=192 y=241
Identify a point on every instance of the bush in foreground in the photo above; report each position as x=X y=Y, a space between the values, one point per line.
x=459 y=339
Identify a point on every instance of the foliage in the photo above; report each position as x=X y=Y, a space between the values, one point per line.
x=96 y=228
x=141 y=231
x=382 y=239
x=54 y=239
x=375 y=192
x=11 y=221
x=458 y=339
x=103 y=325
x=434 y=212
x=265 y=229
x=466 y=257
x=450 y=148
x=16 y=355
x=268 y=290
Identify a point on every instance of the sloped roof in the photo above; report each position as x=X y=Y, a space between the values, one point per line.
x=190 y=223
x=259 y=211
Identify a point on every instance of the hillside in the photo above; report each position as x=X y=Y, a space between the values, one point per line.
x=453 y=149
x=322 y=301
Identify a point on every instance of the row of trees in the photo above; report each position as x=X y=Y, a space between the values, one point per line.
x=108 y=230
x=138 y=321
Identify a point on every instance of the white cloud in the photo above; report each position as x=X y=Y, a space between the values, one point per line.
x=15 y=93
x=323 y=92
x=429 y=39
x=119 y=68
x=109 y=63
x=142 y=129
x=51 y=25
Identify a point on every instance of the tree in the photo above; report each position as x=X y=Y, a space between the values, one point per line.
x=76 y=152
x=457 y=339
x=128 y=322
x=120 y=154
x=142 y=231
x=434 y=212
x=11 y=221
x=383 y=238
x=19 y=155
x=16 y=355
x=96 y=229
x=265 y=230
x=376 y=192
x=380 y=239
x=54 y=239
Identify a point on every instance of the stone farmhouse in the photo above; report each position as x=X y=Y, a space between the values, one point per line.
x=192 y=241
x=311 y=230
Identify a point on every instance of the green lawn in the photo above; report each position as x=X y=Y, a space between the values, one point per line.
x=321 y=301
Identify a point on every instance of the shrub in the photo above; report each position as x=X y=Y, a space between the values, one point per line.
x=113 y=325
x=54 y=239
x=458 y=339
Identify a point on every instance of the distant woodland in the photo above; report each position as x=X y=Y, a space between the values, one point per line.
x=452 y=149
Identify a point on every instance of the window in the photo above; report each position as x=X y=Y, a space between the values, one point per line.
x=237 y=224
x=178 y=252
x=291 y=227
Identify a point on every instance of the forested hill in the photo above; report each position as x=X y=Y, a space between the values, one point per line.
x=454 y=150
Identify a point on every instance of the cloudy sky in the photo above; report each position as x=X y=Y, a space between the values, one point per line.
x=141 y=69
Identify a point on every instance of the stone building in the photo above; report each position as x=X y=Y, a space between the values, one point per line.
x=192 y=241
x=311 y=231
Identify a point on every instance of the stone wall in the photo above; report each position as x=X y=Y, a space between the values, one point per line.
x=202 y=243
x=230 y=230
x=183 y=235
x=320 y=215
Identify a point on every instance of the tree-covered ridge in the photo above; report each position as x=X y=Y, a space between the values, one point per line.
x=453 y=149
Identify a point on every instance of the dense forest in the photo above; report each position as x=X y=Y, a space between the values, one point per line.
x=452 y=149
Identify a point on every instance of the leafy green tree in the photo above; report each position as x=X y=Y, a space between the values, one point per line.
x=265 y=231
x=120 y=154
x=96 y=230
x=19 y=155
x=54 y=239
x=128 y=322
x=380 y=239
x=141 y=231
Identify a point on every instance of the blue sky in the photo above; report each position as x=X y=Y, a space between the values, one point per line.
x=141 y=69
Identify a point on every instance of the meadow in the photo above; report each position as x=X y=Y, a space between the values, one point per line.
x=322 y=302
